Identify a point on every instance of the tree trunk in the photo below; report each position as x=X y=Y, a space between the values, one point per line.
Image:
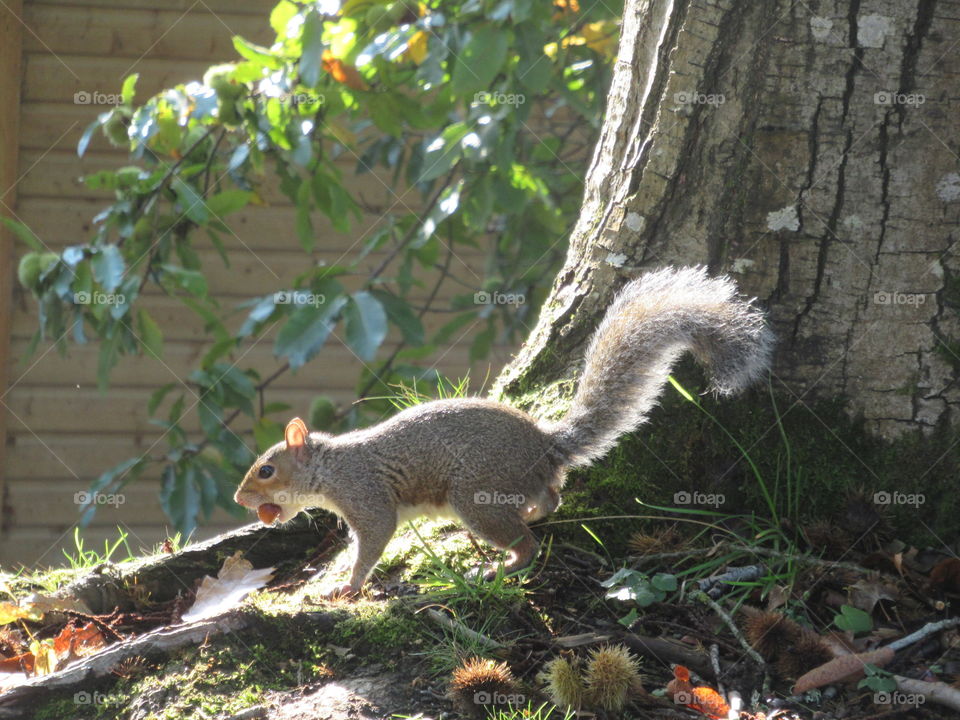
x=808 y=149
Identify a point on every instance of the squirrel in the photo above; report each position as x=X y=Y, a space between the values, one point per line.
x=494 y=466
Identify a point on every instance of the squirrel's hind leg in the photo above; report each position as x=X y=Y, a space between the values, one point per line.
x=505 y=530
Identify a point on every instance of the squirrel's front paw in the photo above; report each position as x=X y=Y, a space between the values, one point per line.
x=346 y=590
x=486 y=572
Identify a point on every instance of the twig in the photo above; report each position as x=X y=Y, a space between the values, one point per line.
x=728 y=621
x=920 y=634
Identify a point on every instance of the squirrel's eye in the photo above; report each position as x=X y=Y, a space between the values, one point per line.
x=266 y=471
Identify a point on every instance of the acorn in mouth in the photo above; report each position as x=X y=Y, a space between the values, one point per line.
x=268 y=513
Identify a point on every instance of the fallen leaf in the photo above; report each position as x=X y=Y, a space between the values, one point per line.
x=20 y=663
x=842 y=669
x=236 y=579
x=11 y=612
x=45 y=657
x=701 y=698
x=946 y=575
x=865 y=594
x=74 y=642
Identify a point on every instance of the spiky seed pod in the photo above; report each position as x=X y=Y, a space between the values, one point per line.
x=808 y=652
x=769 y=632
x=862 y=515
x=661 y=541
x=643 y=544
x=478 y=684
x=564 y=684
x=131 y=667
x=828 y=539
x=612 y=674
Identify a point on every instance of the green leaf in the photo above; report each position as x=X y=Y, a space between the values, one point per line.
x=24 y=233
x=664 y=582
x=482 y=341
x=302 y=336
x=150 y=334
x=107 y=359
x=129 y=88
x=228 y=201
x=84 y=141
x=479 y=61
x=191 y=204
x=442 y=152
x=853 y=620
x=218 y=350
x=192 y=281
x=366 y=324
x=256 y=54
x=447 y=331
x=534 y=68
x=267 y=433
x=157 y=396
x=261 y=311
x=401 y=314
x=312 y=49
x=108 y=267
x=179 y=497
x=280 y=17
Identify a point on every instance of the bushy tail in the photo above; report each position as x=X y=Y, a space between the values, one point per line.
x=649 y=325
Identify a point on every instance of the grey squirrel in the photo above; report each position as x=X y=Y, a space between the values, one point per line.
x=498 y=468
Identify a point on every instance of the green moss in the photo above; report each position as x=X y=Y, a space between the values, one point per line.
x=378 y=632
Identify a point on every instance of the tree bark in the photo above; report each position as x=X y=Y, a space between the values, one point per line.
x=807 y=149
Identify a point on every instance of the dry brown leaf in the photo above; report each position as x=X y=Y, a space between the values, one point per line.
x=842 y=669
x=235 y=580
x=865 y=594
x=945 y=575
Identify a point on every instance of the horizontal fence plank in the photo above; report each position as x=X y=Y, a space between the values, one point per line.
x=58 y=78
x=248 y=7
x=256 y=228
x=252 y=273
x=48 y=409
x=191 y=33
x=59 y=503
x=334 y=370
x=57 y=174
x=183 y=332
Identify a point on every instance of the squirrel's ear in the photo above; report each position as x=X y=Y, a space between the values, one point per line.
x=296 y=435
